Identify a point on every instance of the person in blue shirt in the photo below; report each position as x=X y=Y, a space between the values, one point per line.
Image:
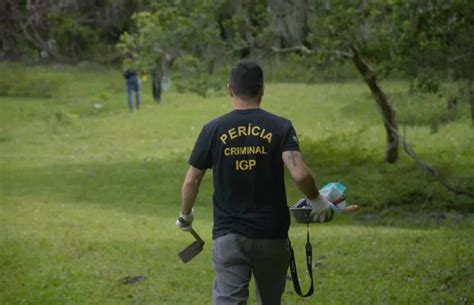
x=132 y=83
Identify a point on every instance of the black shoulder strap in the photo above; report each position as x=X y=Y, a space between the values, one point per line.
x=294 y=272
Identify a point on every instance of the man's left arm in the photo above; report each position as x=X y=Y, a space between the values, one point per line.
x=189 y=192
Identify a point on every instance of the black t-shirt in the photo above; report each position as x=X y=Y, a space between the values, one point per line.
x=244 y=148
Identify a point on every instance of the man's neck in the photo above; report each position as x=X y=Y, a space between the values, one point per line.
x=247 y=104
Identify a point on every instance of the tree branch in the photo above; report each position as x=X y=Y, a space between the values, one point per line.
x=307 y=51
x=430 y=170
x=301 y=49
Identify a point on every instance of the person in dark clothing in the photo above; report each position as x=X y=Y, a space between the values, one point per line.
x=156 y=76
x=132 y=83
x=247 y=150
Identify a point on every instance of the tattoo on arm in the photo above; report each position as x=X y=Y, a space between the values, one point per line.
x=292 y=158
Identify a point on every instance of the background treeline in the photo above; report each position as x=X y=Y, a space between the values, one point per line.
x=409 y=34
x=64 y=30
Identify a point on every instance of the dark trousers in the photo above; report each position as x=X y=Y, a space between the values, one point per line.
x=156 y=86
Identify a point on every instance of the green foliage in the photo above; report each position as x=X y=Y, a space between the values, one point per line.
x=188 y=29
x=437 y=38
x=244 y=26
x=29 y=55
x=425 y=40
x=191 y=76
x=65 y=30
x=203 y=37
x=71 y=35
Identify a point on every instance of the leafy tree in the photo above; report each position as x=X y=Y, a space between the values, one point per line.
x=422 y=39
x=438 y=45
x=188 y=32
x=360 y=31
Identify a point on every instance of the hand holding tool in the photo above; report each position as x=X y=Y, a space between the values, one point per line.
x=185 y=222
x=193 y=249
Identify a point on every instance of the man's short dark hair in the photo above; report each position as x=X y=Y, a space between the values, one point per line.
x=246 y=79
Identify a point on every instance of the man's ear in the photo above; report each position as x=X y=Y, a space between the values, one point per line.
x=229 y=90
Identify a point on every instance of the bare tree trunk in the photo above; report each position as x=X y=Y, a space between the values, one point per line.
x=388 y=113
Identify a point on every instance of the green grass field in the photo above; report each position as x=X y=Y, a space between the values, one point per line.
x=89 y=194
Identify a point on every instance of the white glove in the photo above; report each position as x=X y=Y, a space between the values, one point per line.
x=323 y=209
x=185 y=222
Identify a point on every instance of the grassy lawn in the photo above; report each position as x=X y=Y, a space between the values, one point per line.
x=89 y=194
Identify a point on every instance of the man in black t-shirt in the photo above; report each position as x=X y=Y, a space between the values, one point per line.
x=247 y=150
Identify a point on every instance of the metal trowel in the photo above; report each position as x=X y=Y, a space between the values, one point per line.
x=193 y=249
